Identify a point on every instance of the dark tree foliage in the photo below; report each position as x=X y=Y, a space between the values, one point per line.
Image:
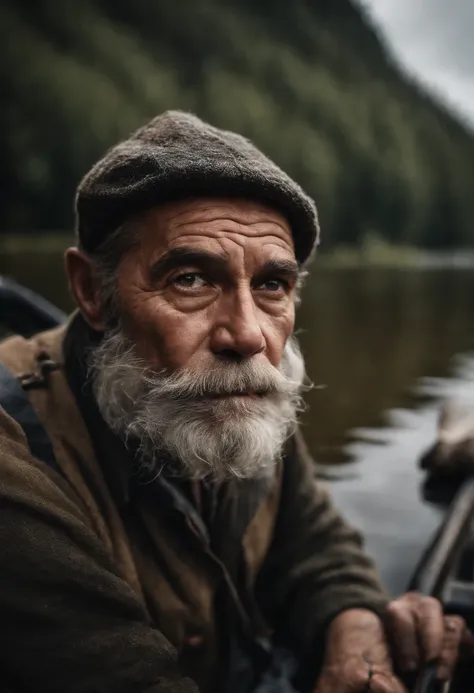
x=309 y=80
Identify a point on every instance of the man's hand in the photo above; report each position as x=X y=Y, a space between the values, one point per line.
x=362 y=652
x=357 y=656
x=420 y=633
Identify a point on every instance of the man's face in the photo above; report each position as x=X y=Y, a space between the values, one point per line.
x=200 y=368
x=210 y=279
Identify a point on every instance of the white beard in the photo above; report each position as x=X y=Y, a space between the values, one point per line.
x=180 y=418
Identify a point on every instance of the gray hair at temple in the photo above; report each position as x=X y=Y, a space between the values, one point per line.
x=106 y=260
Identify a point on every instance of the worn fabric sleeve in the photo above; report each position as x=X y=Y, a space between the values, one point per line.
x=316 y=566
x=69 y=622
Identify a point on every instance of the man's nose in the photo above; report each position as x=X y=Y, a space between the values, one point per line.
x=237 y=332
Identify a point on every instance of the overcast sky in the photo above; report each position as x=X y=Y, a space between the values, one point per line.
x=434 y=39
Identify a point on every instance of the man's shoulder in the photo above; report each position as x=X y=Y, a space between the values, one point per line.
x=20 y=355
x=24 y=386
x=26 y=481
x=27 y=477
x=39 y=403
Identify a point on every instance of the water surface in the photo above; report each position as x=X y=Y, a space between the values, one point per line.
x=387 y=346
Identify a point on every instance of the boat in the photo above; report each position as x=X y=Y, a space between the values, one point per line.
x=445 y=570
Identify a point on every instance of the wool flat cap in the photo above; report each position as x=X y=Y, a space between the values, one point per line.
x=177 y=156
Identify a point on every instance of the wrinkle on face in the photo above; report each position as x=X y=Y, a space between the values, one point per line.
x=173 y=330
x=208 y=211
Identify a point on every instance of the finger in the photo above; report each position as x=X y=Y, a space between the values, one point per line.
x=382 y=683
x=402 y=629
x=454 y=628
x=430 y=627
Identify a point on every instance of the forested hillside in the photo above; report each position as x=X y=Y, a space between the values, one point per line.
x=309 y=81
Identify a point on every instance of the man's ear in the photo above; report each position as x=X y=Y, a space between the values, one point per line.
x=84 y=287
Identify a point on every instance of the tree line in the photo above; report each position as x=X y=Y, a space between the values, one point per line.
x=309 y=81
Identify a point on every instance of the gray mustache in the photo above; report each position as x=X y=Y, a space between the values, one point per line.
x=172 y=413
x=230 y=379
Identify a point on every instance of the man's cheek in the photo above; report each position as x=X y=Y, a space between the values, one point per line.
x=180 y=343
x=276 y=337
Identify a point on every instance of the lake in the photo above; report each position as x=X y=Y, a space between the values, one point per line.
x=383 y=348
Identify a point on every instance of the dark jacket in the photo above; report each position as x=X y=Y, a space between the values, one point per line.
x=113 y=583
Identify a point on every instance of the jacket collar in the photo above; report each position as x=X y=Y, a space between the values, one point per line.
x=116 y=461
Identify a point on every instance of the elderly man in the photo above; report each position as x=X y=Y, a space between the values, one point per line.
x=162 y=529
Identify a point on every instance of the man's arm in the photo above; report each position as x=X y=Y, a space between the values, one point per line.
x=322 y=593
x=316 y=567
x=69 y=622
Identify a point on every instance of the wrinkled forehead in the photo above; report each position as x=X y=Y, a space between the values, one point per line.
x=234 y=225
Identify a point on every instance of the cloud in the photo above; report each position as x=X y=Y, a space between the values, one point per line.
x=433 y=40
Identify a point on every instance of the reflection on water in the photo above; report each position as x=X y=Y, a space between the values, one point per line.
x=384 y=496
x=383 y=345
x=369 y=334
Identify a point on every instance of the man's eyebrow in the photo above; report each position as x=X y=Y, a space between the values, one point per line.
x=288 y=268
x=184 y=257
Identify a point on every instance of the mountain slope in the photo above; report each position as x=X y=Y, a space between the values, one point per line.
x=310 y=82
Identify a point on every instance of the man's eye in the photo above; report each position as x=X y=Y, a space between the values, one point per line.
x=275 y=285
x=190 y=280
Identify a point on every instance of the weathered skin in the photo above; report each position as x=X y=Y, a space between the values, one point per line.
x=182 y=326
